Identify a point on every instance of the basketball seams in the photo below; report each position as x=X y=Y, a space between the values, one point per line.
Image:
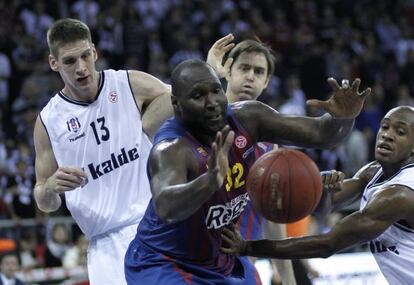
x=289 y=194
x=265 y=199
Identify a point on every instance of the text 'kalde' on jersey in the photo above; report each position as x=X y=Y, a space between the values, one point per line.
x=115 y=162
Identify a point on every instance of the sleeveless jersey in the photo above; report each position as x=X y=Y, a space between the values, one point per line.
x=197 y=239
x=251 y=223
x=394 y=248
x=105 y=138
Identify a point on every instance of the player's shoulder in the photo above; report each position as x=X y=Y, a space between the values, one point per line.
x=247 y=105
x=172 y=152
x=368 y=171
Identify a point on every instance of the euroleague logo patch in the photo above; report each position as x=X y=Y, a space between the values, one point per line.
x=240 y=141
x=113 y=97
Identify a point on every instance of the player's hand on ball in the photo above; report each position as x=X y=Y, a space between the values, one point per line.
x=232 y=242
x=218 y=162
x=346 y=101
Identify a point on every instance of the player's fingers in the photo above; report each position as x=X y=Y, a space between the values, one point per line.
x=69 y=177
x=73 y=170
x=228 y=63
x=229 y=141
x=334 y=84
x=317 y=103
x=224 y=40
x=365 y=93
x=356 y=84
x=228 y=234
x=325 y=176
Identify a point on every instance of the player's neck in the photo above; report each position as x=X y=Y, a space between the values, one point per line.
x=390 y=169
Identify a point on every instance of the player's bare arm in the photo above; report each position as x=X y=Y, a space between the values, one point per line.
x=51 y=180
x=153 y=98
x=321 y=132
x=385 y=208
x=172 y=164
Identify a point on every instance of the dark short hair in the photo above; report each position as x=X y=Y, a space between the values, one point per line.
x=178 y=70
x=254 y=46
x=66 y=31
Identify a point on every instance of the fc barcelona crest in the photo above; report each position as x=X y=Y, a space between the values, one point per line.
x=73 y=125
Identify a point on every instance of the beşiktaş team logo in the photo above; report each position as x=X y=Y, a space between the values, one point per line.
x=73 y=125
x=113 y=97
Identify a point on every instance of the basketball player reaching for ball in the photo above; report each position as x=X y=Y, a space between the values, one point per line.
x=91 y=144
x=386 y=216
x=198 y=168
x=247 y=70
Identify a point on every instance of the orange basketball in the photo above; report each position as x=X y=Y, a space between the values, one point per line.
x=284 y=185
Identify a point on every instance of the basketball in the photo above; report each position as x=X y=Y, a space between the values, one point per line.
x=284 y=185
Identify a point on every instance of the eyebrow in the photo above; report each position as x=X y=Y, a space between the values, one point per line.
x=72 y=56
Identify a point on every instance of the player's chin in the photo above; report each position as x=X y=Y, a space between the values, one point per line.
x=214 y=127
x=244 y=96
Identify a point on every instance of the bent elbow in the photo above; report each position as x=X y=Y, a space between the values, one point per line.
x=48 y=208
x=164 y=210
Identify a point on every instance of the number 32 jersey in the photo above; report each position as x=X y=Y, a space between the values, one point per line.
x=105 y=138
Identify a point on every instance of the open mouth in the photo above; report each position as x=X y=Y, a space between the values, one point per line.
x=214 y=117
x=82 y=80
x=384 y=148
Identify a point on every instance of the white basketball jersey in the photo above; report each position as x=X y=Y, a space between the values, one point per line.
x=394 y=248
x=106 y=139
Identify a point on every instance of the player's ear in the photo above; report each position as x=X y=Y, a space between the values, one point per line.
x=175 y=104
x=267 y=81
x=53 y=62
x=94 y=53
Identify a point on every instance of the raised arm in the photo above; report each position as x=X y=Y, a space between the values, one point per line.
x=216 y=55
x=171 y=163
x=153 y=98
x=385 y=208
x=51 y=180
x=321 y=132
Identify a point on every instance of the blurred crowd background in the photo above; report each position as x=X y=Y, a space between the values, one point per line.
x=312 y=40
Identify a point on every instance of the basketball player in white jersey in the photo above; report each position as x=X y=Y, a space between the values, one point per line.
x=92 y=145
x=386 y=216
x=247 y=69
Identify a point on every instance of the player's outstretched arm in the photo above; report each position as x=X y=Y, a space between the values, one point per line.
x=153 y=98
x=171 y=163
x=51 y=180
x=385 y=208
x=317 y=132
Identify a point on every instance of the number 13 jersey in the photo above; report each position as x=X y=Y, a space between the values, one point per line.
x=106 y=139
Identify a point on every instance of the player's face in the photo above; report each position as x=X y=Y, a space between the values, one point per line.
x=76 y=65
x=395 y=138
x=202 y=102
x=248 y=76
